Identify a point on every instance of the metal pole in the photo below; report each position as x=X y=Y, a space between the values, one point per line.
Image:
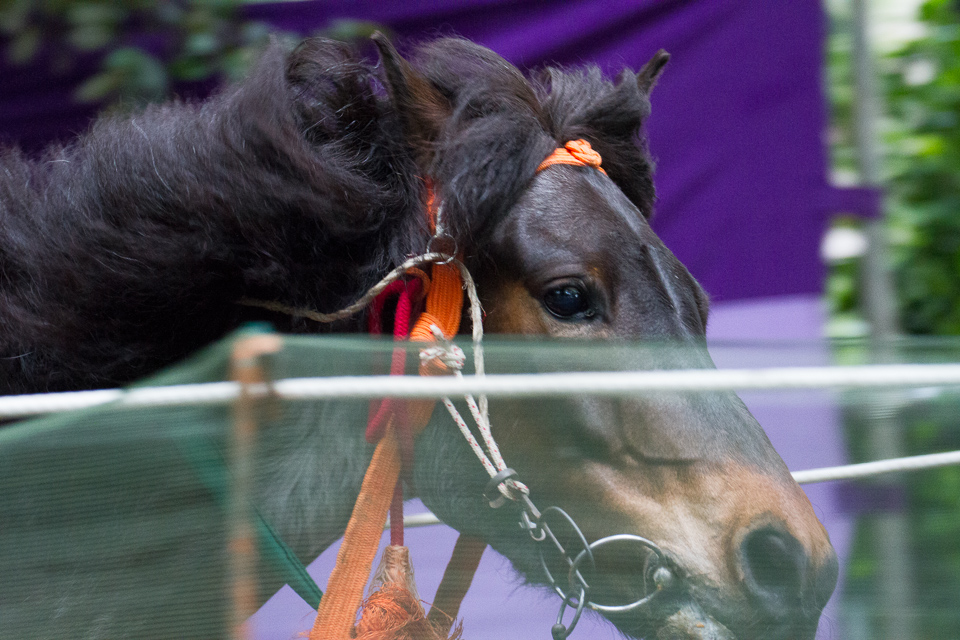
x=891 y=529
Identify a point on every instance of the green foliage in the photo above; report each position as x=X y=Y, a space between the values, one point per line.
x=144 y=47
x=920 y=86
x=923 y=94
x=843 y=284
x=920 y=97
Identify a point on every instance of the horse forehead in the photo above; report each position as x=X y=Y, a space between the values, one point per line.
x=580 y=210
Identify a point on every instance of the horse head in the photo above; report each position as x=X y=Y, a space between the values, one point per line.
x=130 y=248
x=567 y=251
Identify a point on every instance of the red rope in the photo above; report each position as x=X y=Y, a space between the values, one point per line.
x=408 y=292
x=396 y=516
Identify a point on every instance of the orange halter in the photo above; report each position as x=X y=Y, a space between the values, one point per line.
x=575 y=152
x=445 y=298
x=337 y=613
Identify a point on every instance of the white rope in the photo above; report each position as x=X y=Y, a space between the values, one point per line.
x=452 y=356
x=476 y=311
x=605 y=384
x=526 y=385
x=444 y=351
x=807 y=476
x=357 y=306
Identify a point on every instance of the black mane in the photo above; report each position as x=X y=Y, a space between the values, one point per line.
x=128 y=249
x=503 y=125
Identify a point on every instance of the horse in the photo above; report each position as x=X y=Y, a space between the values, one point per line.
x=128 y=249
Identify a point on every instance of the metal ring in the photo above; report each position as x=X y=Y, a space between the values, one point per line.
x=643 y=542
x=574 y=573
x=660 y=573
x=443 y=237
x=492 y=492
x=559 y=631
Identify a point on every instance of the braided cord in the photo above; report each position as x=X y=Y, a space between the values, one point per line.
x=443 y=350
x=359 y=305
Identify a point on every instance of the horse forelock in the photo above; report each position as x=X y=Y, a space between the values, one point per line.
x=583 y=103
x=500 y=127
x=502 y=124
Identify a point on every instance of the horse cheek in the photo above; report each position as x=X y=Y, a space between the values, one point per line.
x=510 y=309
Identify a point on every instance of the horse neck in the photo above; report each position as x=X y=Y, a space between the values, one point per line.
x=311 y=468
x=313 y=461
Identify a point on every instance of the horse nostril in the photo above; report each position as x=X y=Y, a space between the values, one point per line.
x=774 y=566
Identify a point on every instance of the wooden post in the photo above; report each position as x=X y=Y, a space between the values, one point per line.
x=247 y=369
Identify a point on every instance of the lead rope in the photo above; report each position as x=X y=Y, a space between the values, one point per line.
x=393 y=610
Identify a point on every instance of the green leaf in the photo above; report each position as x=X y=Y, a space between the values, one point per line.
x=201 y=44
x=236 y=63
x=216 y=4
x=24 y=46
x=255 y=33
x=848 y=325
x=349 y=30
x=13 y=16
x=91 y=37
x=143 y=76
x=95 y=13
x=190 y=69
x=98 y=87
x=169 y=13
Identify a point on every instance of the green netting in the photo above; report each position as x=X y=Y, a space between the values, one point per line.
x=113 y=520
x=107 y=511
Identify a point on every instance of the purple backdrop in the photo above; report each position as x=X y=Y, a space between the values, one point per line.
x=737 y=129
x=737 y=119
x=737 y=126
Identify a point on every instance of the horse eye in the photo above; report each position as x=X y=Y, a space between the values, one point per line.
x=567 y=301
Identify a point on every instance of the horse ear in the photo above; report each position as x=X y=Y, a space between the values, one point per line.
x=650 y=73
x=422 y=108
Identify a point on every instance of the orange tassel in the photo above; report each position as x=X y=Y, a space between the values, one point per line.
x=393 y=610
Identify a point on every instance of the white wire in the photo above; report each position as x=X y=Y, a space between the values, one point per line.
x=622 y=383
x=807 y=476
x=878 y=467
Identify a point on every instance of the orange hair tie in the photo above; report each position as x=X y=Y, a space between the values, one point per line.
x=576 y=152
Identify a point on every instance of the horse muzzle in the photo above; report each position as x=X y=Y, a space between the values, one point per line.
x=777 y=593
x=682 y=618
x=780 y=595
